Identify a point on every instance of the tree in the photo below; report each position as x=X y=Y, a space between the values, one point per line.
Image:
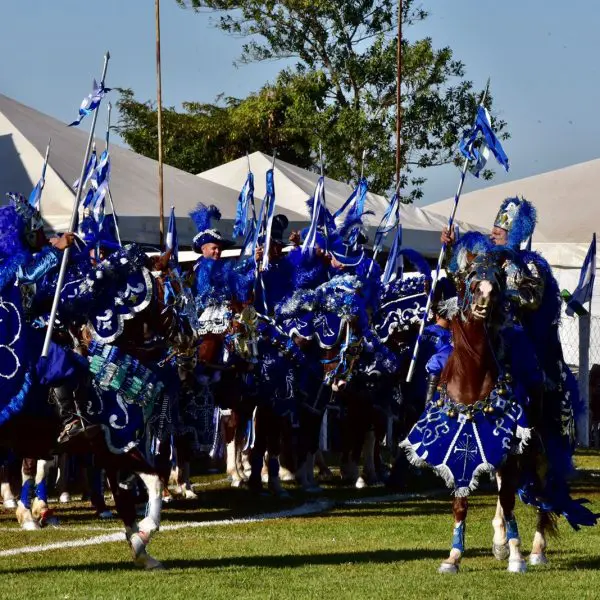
x=340 y=91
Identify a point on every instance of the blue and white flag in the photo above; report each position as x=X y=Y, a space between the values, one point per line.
x=172 y=242
x=102 y=171
x=89 y=169
x=243 y=219
x=395 y=259
x=390 y=220
x=91 y=102
x=98 y=202
x=269 y=203
x=482 y=132
x=356 y=202
x=36 y=194
x=585 y=287
x=319 y=211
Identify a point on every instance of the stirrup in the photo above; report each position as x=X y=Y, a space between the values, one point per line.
x=70 y=430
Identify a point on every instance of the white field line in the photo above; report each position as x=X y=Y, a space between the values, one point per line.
x=310 y=508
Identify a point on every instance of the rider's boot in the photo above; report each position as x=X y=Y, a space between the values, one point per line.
x=432 y=384
x=72 y=423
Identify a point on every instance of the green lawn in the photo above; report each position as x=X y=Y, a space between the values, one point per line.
x=371 y=550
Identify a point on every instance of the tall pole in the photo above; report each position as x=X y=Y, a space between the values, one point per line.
x=399 y=95
x=73 y=224
x=161 y=204
x=112 y=204
x=463 y=173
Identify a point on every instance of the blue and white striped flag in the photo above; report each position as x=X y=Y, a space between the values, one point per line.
x=482 y=132
x=90 y=102
x=585 y=287
x=390 y=219
x=98 y=202
x=266 y=226
x=102 y=171
x=395 y=259
x=172 y=243
x=319 y=211
x=89 y=169
x=243 y=218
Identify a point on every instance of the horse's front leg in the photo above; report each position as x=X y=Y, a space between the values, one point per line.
x=459 y=510
x=507 y=493
x=500 y=542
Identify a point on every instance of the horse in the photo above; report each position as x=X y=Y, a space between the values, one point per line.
x=139 y=333
x=480 y=420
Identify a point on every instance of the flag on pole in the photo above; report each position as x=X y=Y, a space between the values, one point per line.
x=243 y=219
x=585 y=287
x=269 y=213
x=390 y=219
x=482 y=133
x=395 y=258
x=89 y=169
x=318 y=217
x=90 y=102
x=172 y=242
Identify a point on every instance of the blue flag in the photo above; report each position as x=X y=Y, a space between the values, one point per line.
x=585 y=287
x=318 y=217
x=90 y=102
x=390 y=219
x=172 y=242
x=483 y=132
x=243 y=219
x=89 y=169
x=395 y=258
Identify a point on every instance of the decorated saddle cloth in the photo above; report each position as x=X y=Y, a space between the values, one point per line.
x=128 y=397
x=461 y=442
x=15 y=369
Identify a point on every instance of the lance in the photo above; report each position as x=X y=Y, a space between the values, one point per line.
x=73 y=224
x=45 y=163
x=434 y=281
x=112 y=206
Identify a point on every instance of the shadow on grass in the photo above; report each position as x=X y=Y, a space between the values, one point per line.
x=283 y=561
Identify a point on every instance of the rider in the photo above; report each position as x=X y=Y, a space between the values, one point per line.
x=527 y=276
x=26 y=256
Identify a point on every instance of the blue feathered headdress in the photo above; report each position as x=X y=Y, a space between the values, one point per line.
x=202 y=216
x=518 y=217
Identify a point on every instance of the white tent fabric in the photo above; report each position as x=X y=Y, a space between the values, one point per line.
x=294 y=186
x=568 y=207
x=568 y=210
x=24 y=134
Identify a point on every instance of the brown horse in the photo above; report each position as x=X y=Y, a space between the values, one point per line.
x=145 y=337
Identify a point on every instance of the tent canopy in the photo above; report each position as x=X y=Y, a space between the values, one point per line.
x=294 y=186
x=567 y=203
x=24 y=135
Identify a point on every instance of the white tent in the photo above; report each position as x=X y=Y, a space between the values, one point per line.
x=24 y=134
x=568 y=207
x=294 y=186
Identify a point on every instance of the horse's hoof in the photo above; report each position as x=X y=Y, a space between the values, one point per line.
x=448 y=568
x=517 y=565
x=286 y=474
x=30 y=526
x=10 y=504
x=360 y=484
x=167 y=499
x=190 y=495
x=106 y=515
x=500 y=551
x=538 y=559
x=64 y=498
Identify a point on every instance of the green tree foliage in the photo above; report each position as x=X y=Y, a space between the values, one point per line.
x=340 y=91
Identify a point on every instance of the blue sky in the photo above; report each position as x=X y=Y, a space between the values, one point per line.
x=541 y=56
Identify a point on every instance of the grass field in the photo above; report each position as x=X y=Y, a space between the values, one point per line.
x=374 y=548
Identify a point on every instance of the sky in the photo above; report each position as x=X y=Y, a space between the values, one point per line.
x=541 y=56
